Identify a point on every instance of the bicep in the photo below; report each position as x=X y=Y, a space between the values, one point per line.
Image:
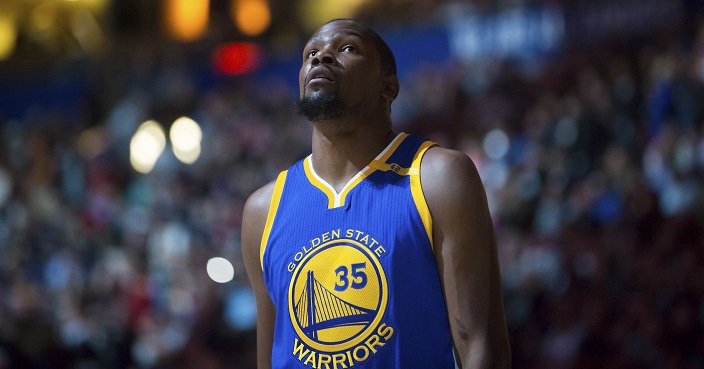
x=463 y=239
x=466 y=255
x=253 y=221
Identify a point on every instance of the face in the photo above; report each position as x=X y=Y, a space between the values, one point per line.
x=340 y=65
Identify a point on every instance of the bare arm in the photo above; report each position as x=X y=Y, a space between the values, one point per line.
x=465 y=249
x=254 y=219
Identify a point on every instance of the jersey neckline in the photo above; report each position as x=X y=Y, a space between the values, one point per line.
x=335 y=199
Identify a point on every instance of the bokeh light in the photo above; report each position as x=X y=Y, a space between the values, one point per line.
x=236 y=58
x=496 y=144
x=313 y=13
x=186 y=20
x=186 y=136
x=146 y=146
x=86 y=30
x=92 y=142
x=252 y=17
x=8 y=35
x=220 y=270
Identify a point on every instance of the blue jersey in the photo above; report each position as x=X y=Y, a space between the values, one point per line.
x=352 y=274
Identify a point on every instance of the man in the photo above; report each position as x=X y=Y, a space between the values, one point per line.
x=377 y=250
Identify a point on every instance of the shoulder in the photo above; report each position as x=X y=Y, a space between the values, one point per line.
x=258 y=202
x=452 y=187
x=256 y=208
x=441 y=158
x=254 y=217
x=447 y=171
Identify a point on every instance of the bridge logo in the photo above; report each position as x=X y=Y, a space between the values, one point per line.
x=337 y=296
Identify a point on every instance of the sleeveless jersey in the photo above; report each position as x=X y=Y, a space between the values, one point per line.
x=352 y=274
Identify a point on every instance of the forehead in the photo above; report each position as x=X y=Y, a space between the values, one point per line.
x=341 y=28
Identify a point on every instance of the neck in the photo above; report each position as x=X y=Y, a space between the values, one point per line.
x=340 y=150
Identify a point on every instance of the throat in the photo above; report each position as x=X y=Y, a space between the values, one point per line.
x=336 y=176
x=336 y=191
x=339 y=178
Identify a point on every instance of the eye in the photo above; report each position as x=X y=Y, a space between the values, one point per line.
x=349 y=49
x=311 y=53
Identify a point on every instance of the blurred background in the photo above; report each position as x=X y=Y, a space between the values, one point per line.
x=132 y=131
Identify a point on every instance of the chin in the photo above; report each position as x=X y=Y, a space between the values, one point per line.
x=319 y=106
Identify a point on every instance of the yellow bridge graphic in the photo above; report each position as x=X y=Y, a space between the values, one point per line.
x=317 y=308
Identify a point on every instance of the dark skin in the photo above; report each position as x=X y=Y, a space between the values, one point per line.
x=341 y=59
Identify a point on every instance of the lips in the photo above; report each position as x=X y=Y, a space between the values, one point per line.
x=320 y=73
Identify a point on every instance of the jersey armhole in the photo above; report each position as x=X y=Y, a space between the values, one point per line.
x=273 y=207
x=417 y=191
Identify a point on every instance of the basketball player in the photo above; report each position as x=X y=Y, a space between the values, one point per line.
x=377 y=250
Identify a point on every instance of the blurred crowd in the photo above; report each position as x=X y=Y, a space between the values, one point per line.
x=592 y=161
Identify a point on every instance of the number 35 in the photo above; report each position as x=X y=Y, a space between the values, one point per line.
x=357 y=279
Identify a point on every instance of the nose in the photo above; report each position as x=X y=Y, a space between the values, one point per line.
x=323 y=56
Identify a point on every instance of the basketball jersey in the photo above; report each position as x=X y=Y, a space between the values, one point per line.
x=352 y=274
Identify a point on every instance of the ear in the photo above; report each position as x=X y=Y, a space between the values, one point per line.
x=390 y=88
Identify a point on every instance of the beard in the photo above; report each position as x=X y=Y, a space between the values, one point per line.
x=320 y=107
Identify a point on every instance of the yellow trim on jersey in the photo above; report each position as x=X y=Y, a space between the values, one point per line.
x=273 y=207
x=318 y=182
x=336 y=200
x=385 y=167
x=417 y=190
x=386 y=154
